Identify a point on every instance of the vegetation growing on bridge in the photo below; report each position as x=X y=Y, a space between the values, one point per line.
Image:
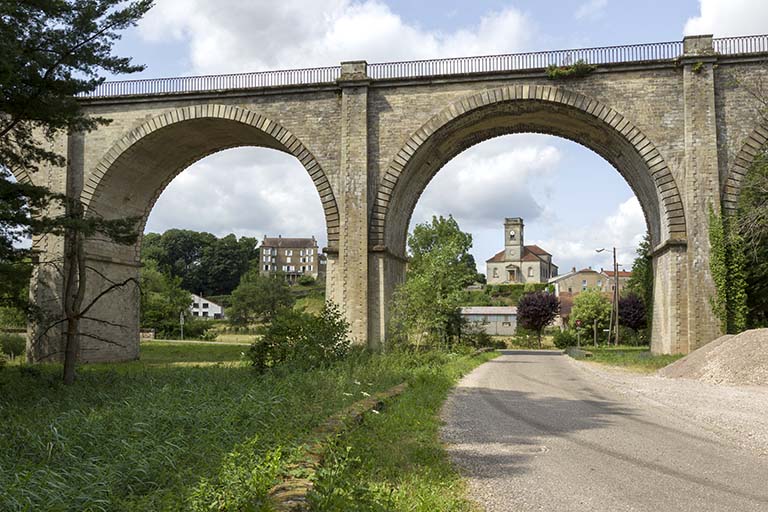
x=575 y=70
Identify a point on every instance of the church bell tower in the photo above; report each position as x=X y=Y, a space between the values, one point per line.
x=513 y=239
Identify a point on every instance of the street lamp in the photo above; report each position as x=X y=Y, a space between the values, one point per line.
x=614 y=322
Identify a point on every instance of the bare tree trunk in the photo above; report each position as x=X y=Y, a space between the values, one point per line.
x=74 y=294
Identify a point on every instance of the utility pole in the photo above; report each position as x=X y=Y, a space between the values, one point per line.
x=616 y=295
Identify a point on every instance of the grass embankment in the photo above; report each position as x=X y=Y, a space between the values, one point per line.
x=636 y=359
x=395 y=461
x=191 y=427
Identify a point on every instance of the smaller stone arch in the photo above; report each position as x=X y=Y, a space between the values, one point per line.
x=670 y=201
x=274 y=134
x=751 y=147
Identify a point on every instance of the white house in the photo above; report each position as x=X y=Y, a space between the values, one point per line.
x=494 y=320
x=203 y=308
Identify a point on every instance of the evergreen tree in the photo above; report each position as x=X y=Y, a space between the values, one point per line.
x=52 y=51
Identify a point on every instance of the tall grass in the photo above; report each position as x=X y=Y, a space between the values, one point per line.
x=396 y=461
x=203 y=433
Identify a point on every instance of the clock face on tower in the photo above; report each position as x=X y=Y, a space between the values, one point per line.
x=512 y=235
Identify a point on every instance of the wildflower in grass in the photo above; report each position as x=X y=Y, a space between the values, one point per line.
x=347 y=394
x=365 y=394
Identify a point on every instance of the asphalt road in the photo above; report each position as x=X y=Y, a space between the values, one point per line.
x=534 y=431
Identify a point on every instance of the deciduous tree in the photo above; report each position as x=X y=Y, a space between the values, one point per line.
x=426 y=305
x=536 y=310
x=591 y=310
x=259 y=297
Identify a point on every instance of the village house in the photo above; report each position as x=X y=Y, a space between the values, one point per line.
x=567 y=286
x=204 y=308
x=519 y=263
x=294 y=257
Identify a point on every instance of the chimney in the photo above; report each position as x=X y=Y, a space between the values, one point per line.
x=573 y=269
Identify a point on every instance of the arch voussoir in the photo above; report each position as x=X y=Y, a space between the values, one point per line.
x=669 y=200
x=750 y=149
x=100 y=176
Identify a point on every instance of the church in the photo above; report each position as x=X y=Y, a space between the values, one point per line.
x=519 y=263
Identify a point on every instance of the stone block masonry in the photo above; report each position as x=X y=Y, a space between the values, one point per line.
x=682 y=132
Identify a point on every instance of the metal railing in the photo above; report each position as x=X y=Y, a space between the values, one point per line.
x=741 y=45
x=523 y=61
x=208 y=83
x=426 y=68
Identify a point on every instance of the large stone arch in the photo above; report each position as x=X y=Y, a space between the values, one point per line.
x=754 y=143
x=126 y=182
x=132 y=174
x=543 y=109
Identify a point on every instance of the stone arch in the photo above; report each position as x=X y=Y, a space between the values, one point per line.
x=132 y=174
x=525 y=108
x=752 y=146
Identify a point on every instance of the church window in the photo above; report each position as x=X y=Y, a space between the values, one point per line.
x=511 y=235
x=530 y=271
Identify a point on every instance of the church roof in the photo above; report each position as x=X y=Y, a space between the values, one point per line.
x=530 y=253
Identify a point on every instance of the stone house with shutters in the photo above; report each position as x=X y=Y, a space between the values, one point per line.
x=294 y=257
x=519 y=263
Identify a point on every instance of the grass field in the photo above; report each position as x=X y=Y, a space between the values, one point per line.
x=637 y=359
x=192 y=427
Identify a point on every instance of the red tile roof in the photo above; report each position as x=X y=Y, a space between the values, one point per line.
x=535 y=249
x=497 y=258
x=530 y=253
x=622 y=273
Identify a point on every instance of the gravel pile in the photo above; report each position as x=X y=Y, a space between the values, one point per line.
x=740 y=360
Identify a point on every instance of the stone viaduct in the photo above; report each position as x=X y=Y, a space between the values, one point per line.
x=679 y=121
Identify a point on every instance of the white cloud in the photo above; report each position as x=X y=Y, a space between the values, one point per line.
x=623 y=229
x=237 y=36
x=729 y=18
x=489 y=182
x=593 y=9
x=225 y=193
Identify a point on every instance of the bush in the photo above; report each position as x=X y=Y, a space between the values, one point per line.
x=513 y=292
x=474 y=335
x=564 y=339
x=194 y=329
x=306 y=280
x=578 y=69
x=12 y=344
x=302 y=339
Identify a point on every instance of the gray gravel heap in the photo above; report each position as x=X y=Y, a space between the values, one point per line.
x=740 y=360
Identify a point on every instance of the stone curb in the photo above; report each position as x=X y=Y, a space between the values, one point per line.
x=290 y=495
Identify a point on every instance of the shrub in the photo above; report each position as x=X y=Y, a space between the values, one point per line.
x=474 y=335
x=194 y=329
x=12 y=344
x=564 y=339
x=578 y=69
x=306 y=280
x=302 y=339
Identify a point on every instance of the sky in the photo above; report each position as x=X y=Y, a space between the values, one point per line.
x=572 y=200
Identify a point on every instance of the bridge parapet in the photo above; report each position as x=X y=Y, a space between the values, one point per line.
x=528 y=61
